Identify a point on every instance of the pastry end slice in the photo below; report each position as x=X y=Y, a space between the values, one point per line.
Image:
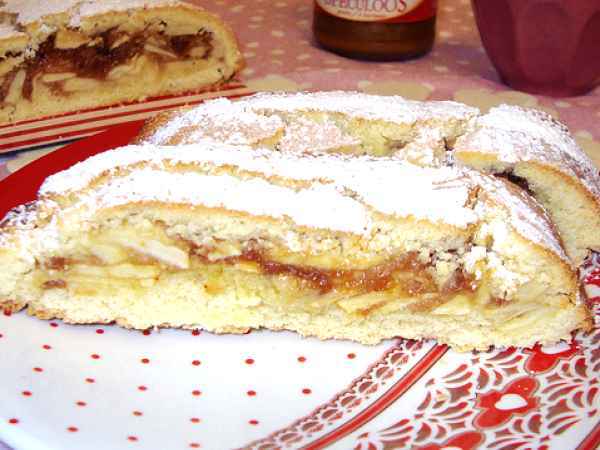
x=64 y=56
x=532 y=149
x=229 y=239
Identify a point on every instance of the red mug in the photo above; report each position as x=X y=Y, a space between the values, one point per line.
x=549 y=47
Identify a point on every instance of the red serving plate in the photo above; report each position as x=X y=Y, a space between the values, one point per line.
x=69 y=126
x=22 y=186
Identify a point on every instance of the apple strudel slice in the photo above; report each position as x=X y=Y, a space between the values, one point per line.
x=229 y=239
x=528 y=147
x=68 y=55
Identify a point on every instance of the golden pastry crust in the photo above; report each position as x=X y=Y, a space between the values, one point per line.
x=67 y=56
x=533 y=147
x=228 y=238
x=528 y=147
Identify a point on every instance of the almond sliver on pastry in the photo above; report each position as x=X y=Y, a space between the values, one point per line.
x=230 y=238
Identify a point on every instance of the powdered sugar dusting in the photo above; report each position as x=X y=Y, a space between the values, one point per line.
x=338 y=192
x=234 y=123
x=427 y=149
x=320 y=206
x=360 y=185
x=525 y=214
x=387 y=185
x=304 y=135
x=29 y=11
x=392 y=109
x=25 y=221
x=515 y=134
x=220 y=120
x=92 y=7
x=215 y=118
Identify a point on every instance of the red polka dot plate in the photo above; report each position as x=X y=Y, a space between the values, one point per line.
x=103 y=387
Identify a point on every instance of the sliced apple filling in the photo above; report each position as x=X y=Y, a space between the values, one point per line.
x=69 y=61
x=128 y=259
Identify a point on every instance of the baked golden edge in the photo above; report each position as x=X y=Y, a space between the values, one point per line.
x=583 y=212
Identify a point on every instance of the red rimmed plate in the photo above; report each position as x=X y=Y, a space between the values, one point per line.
x=69 y=126
x=102 y=387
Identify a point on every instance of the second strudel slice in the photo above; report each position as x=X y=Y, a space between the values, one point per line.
x=66 y=55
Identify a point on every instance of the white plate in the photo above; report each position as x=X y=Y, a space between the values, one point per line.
x=103 y=387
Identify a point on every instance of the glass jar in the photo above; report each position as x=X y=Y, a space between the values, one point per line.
x=375 y=29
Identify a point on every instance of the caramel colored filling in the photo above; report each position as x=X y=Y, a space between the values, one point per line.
x=72 y=55
x=403 y=274
x=140 y=261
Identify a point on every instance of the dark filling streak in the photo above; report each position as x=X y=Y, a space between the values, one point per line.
x=54 y=284
x=447 y=146
x=379 y=278
x=499 y=301
x=181 y=45
x=87 y=61
x=473 y=197
x=9 y=78
x=57 y=263
x=457 y=282
x=375 y=279
x=96 y=61
x=519 y=181
x=9 y=55
x=396 y=144
x=318 y=279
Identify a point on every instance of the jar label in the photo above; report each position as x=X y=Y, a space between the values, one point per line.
x=390 y=11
